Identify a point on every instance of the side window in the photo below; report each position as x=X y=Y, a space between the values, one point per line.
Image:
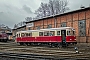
x=26 y=34
x=22 y=35
x=52 y=33
x=58 y=32
x=40 y=33
x=68 y=33
x=46 y=33
x=30 y=34
x=17 y=35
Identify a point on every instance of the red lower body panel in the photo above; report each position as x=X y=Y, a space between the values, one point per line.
x=40 y=39
x=57 y=39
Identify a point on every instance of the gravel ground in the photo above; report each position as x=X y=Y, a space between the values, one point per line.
x=67 y=52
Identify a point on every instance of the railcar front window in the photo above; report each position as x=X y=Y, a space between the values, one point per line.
x=73 y=32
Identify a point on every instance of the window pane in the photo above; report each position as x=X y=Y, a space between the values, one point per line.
x=38 y=27
x=63 y=24
x=46 y=33
x=73 y=32
x=26 y=34
x=58 y=32
x=40 y=33
x=52 y=33
x=30 y=34
x=82 y=27
x=22 y=34
x=49 y=26
x=17 y=35
x=68 y=33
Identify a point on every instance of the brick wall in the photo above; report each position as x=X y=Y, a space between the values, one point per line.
x=71 y=20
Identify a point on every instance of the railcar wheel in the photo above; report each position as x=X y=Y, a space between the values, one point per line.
x=27 y=44
x=5 y=40
x=21 y=43
x=50 y=44
x=39 y=44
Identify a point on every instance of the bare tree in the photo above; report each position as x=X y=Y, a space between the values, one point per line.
x=28 y=19
x=15 y=26
x=23 y=23
x=19 y=24
x=51 y=8
x=38 y=12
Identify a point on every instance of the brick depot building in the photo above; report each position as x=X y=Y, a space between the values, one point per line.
x=78 y=19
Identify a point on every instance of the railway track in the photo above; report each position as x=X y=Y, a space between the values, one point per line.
x=12 y=50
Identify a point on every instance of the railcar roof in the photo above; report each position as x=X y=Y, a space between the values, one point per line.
x=61 y=28
x=48 y=29
x=28 y=31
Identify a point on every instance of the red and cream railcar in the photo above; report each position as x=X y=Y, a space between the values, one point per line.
x=51 y=36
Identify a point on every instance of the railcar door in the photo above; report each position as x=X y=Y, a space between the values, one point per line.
x=63 y=35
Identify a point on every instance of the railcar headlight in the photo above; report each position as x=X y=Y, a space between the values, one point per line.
x=70 y=39
x=74 y=39
x=5 y=37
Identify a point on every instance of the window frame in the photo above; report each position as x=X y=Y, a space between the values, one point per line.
x=82 y=28
x=46 y=33
x=53 y=33
x=59 y=33
x=42 y=34
x=63 y=24
x=49 y=26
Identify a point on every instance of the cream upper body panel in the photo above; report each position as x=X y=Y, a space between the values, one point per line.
x=49 y=32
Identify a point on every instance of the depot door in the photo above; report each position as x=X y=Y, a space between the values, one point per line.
x=63 y=35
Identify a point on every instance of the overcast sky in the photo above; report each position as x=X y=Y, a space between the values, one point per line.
x=15 y=11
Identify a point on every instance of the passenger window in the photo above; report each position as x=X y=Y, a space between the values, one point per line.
x=17 y=35
x=26 y=34
x=68 y=33
x=30 y=34
x=58 y=32
x=22 y=35
x=52 y=33
x=46 y=33
x=40 y=33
